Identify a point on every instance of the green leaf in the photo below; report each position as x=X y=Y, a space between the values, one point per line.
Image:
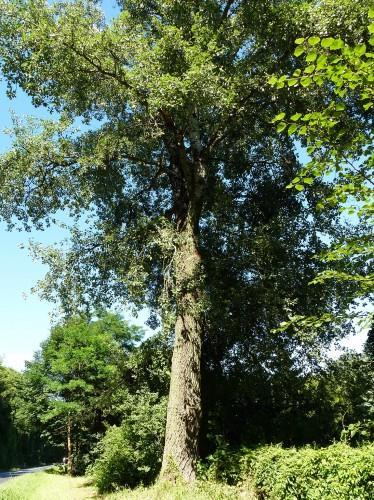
x=296 y=117
x=337 y=44
x=367 y=106
x=318 y=79
x=322 y=61
x=298 y=41
x=360 y=49
x=292 y=82
x=313 y=40
x=292 y=129
x=371 y=13
x=297 y=72
x=273 y=80
x=299 y=50
x=371 y=28
x=278 y=117
x=308 y=180
x=312 y=56
x=299 y=187
x=309 y=69
x=340 y=106
x=335 y=61
x=326 y=42
x=305 y=81
x=281 y=126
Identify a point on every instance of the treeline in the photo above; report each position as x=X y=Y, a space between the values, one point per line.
x=21 y=441
x=96 y=393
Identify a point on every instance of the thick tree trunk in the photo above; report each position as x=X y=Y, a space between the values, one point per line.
x=184 y=409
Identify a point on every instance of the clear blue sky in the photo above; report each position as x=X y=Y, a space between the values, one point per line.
x=25 y=319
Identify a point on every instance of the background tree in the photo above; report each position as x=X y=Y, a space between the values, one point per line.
x=174 y=92
x=21 y=442
x=369 y=344
x=9 y=447
x=74 y=376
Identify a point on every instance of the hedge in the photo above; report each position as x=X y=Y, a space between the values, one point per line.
x=337 y=472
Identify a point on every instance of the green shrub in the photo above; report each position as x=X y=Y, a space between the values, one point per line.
x=131 y=454
x=359 y=432
x=224 y=466
x=338 y=472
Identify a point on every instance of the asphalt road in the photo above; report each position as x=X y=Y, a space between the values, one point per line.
x=5 y=476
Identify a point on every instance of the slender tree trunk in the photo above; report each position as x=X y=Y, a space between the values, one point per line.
x=69 y=447
x=184 y=409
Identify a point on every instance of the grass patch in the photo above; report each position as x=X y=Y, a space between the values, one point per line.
x=44 y=486
x=201 y=490
x=47 y=486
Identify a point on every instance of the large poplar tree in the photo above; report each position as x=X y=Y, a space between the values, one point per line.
x=175 y=94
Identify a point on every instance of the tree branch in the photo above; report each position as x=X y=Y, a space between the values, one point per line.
x=98 y=66
x=356 y=169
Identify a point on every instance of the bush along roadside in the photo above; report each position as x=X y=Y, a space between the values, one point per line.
x=337 y=472
x=131 y=454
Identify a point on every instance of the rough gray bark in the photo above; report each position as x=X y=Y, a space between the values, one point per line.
x=188 y=181
x=184 y=408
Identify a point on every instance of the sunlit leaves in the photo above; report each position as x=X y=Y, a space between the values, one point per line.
x=292 y=82
x=279 y=117
x=311 y=56
x=327 y=42
x=305 y=81
x=296 y=117
x=292 y=128
x=281 y=126
x=314 y=40
x=338 y=143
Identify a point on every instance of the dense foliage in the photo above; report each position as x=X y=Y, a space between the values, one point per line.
x=336 y=472
x=89 y=376
x=290 y=406
x=21 y=443
x=124 y=446
x=131 y=453
x=69 y=386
